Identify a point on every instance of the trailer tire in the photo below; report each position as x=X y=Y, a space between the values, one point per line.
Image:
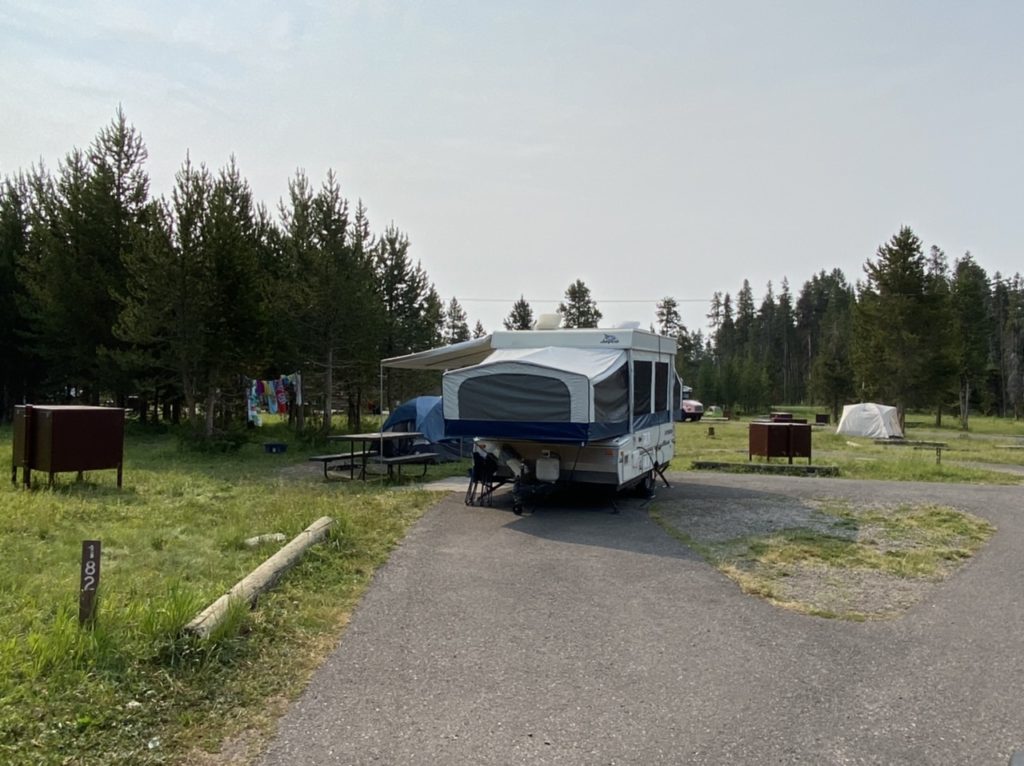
x=645 y=487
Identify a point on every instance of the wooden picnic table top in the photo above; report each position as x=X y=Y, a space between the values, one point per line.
x=375 y=436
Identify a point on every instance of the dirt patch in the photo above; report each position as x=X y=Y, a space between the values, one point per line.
x=850 y=593
x=301 y=472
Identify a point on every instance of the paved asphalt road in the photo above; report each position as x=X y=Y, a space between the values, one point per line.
x=578 y=636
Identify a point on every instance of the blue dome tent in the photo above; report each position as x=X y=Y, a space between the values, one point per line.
x=425 y=415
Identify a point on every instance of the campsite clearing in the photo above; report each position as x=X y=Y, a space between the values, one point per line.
x=860 y=458
x=132 y=690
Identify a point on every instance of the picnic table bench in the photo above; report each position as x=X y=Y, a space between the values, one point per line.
x=937 y=446
x=916 y=444
x=416 y=458
x=344 y=460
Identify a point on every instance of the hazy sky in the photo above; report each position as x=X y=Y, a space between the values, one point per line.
x=648 y=148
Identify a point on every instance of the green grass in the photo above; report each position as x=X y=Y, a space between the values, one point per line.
x=924 y=543
x=134 y=689
x=863 y=459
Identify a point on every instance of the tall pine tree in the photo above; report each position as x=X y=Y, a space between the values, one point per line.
x=890 y=360
x=456 y=327
x=521 y=316
x=579 y=309
x=971 y=330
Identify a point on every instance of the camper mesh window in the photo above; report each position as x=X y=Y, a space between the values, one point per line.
x=611 y=397
x=677 y=393
x=660 y=387
x=642 y=387
x=516 y=397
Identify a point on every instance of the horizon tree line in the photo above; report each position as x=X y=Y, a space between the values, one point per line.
x=110 y=294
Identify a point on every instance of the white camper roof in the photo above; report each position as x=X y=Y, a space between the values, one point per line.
x=594 y=363
x=474 y=351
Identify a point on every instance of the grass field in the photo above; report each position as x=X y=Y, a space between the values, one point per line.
x=133 y=690
x=990 y=441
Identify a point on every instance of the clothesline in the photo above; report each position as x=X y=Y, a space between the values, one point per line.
x=275 y=395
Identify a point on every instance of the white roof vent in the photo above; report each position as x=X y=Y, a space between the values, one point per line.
x=548 y=322
x=631 y=325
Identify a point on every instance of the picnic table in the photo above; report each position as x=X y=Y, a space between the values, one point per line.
x=374 y=447
x=916 y=444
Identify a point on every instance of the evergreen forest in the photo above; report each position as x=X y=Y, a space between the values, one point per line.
x=166 y=305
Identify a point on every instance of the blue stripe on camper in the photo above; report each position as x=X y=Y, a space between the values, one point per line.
x=535 y=430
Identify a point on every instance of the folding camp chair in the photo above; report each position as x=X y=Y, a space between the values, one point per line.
x=482 y=481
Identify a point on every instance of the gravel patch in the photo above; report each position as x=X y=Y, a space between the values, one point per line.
x=710 y=520
x=726 y=527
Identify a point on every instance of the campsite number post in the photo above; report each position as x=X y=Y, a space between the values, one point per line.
x=89 y=583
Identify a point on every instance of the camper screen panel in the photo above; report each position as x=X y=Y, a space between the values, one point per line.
x=642 y=387
x=660 y=386
x=611 y=397
x=507 y=396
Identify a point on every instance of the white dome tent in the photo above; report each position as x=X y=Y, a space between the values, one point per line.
x=877 y=421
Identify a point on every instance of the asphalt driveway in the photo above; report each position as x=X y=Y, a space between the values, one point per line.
x=581 y=636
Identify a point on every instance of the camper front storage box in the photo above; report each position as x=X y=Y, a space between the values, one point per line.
x=56 y=439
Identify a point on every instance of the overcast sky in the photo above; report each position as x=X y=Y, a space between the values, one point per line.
x=648 y=148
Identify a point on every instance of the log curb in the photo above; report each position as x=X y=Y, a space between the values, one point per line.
x=260 y=580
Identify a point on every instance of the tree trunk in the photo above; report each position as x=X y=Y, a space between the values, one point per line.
x=211 y=406
x=355 y=408
x=189 y=391
x=328 y=387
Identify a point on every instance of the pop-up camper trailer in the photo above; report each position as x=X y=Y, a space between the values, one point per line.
x=592 y=406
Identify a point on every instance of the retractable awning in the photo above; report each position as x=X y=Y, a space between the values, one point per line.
x=451 y=357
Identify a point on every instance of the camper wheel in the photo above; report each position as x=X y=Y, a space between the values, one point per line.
x=645 y=487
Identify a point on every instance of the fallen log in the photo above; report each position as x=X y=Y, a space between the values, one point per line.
x=260 y=579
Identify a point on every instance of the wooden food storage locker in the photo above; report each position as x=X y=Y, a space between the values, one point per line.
x=60 y=438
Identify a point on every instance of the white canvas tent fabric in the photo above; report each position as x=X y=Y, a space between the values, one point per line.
x=877 y=421
x=550 y=393
x=576 y=368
